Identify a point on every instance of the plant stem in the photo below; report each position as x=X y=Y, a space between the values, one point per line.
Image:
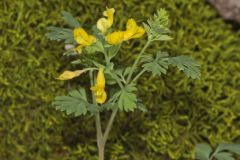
x=137 y=60
x=100 y=142
x=117 y=79
x=137 y=76
x=109 y=125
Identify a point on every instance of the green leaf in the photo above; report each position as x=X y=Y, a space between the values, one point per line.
x=235 y=148
x=93 y=108
x=163 y=38
x=203 y=151
x=70 y=53
x=74 y=103
x=126 y=71
x=127 y=100
x=147 y=29
x=113 y=50
x=95 y=47
x=78 y=61
x=108 y=106
x=224 y=156
x=110 y=80
x=112 y=76
x=159 y=65
x=146 y=58
x=58 y=34
x=70 y=19
x=157 y=27
x=141 y=107
x=186 y=64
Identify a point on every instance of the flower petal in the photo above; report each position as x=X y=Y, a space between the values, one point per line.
x=102 y=24
x=101 y=78
x=131 y=25
x=66 y=75
x=140 y=32
x=102 y=98
x=115 y=37
x=133 y=30
x=80 y=32
x=109 y=12
x=82 y=37
x=98 y=89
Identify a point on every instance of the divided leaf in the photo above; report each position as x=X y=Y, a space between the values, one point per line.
x=141 y=106
x=224 y=156
x=222 y=152
x=127 y=98
x=70 y=53
x=157 y=66
x=95 y=47
x=203 y=151
x=113 y=50
x=74 y=103
x=58 y=34
x=186 y=64
x=157 y=27
x=235 y=148
x=70 y=19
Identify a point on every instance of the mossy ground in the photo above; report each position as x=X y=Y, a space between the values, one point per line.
x=181 y=113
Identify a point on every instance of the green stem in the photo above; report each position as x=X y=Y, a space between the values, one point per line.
x=117 y=79
x=107 y=59
x=213 y=155
x=137 y=60
x=100 y=142
x=138 y=75
x=109 y=125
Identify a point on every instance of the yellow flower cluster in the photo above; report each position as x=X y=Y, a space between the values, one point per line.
x=132 y=29
x=83 y=39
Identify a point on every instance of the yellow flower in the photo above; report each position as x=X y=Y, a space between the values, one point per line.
x=82 y=38
x=115 y=37
x=66 y=75
x=104 y=23
x=132 y=31
x=98 y=89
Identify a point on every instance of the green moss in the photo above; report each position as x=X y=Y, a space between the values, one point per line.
x=183 y=113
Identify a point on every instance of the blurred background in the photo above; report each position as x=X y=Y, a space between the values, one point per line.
x=182 y=112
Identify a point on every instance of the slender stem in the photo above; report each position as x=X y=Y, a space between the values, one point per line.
x=100 y=143
x=109 y=125
x=107 y=59
x=117 y=79
x=213 y=155
x=137 y=76
x=137 y=60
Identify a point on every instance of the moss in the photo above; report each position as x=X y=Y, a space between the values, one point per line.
x=183 y=113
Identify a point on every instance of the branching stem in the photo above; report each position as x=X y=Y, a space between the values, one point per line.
x=101 y=138
x=137 y=60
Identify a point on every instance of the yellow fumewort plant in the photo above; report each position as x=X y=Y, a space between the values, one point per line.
x=112 y=87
